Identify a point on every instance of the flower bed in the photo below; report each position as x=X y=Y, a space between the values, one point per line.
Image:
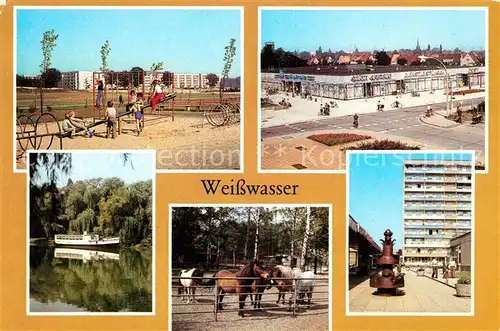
x=382 y=145
x=332 y=139
x=464 y=92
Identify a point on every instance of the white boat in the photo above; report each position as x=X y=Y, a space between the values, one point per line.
x=84 y=240
x=84 y=254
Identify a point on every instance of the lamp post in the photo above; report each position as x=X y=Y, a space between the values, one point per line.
x=422 y=59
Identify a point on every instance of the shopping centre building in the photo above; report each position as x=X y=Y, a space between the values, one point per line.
x=346 y=82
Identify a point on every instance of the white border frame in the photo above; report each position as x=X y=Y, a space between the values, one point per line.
x=473 y=233
x=486 y=11
x=150 y=153
x=166 y=8
x=268 y=205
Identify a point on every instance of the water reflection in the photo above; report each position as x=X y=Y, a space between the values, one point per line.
x=68 y=280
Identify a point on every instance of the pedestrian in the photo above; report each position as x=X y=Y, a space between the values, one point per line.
x=355 y=120
x=120 y=100
x=453 y=268
x=434 y=265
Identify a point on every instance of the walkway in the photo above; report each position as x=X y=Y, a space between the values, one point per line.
x=422 y=295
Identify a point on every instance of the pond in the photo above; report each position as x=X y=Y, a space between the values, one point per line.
x=69 y=280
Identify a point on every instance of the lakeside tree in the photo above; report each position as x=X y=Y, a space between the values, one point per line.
x=229 y=54
x=48 y=44
x=212 y=80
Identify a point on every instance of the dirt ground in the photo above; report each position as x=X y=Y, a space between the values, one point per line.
x=180 y=144
x=188 y=317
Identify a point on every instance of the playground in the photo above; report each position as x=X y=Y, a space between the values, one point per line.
x=189 y=129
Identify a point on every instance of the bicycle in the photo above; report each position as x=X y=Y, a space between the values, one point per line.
x=396 y=104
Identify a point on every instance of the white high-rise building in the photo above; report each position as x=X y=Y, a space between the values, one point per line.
x=437 y=208
x=76 y=80
x=190 y=80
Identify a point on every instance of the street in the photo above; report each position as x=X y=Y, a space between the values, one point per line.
x=404 y=123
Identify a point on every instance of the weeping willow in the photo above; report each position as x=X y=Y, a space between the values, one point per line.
x=107 y=207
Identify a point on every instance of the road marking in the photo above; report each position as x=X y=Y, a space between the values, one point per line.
x=401 y=128
x=417 y=125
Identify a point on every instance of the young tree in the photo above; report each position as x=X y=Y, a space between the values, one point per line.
x=230 y=52
x=428 y=47
x=87 y=84
x=105 y=50
x=155 y=67
x=48 y=44
x=440 y=48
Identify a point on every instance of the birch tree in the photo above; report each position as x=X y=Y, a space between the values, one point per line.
x=230 y=52
x=257 y=226
x=305 y=240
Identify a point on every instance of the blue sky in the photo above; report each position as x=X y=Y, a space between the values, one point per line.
x=306 y=30
x=376 y=189
x=88 y=165
x=186 y=41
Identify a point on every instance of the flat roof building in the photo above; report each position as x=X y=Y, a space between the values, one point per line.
x=346 y=82
x=437 y=207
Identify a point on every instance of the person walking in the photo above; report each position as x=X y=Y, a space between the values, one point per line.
x=355 y=119
x=434 y=265
x=453 y=268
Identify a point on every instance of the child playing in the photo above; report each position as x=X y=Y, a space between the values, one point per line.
x=138 y=113
x=156 y=94
x=71 y=123
x=111 y=117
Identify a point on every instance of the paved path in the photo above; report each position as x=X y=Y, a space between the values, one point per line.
x=400 y=122
x=422 y=295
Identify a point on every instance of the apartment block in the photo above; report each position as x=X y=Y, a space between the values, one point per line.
x=76 y=80
x=190 y=80
x=437 y=208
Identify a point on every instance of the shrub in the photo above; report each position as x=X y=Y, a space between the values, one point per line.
x=332 y=139
x=420 y=269
x=385 y=144
x=464 y=278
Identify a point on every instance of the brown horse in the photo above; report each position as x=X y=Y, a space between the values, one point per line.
x=259 y=285
x=234 y=284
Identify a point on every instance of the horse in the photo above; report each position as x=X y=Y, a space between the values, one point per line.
x=259 y=285
x=234 y=284
x=305 y=286
x=189 y=285
x=286 y=283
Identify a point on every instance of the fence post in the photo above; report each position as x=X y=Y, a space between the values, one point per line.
x=294 y=295
x=216 y=299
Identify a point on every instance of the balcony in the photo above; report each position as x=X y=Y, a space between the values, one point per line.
x=427 y=245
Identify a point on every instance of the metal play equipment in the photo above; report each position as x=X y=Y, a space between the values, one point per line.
x=131 y=80
x=386 y=281
x=35 y=134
